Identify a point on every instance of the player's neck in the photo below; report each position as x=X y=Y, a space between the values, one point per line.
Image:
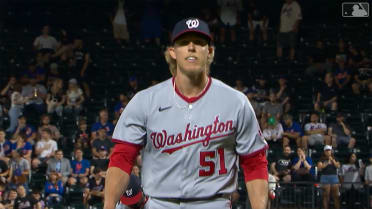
x=191 y=86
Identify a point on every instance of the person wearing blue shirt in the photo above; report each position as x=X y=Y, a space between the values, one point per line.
x=53 y=189
x=102 y=123
x=25 y=128
x=80 y=169
x=302 y=167
x=292 y=131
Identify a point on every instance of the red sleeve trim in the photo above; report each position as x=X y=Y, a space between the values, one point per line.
x=254 y=165
x=117 y=141
x=124 y=155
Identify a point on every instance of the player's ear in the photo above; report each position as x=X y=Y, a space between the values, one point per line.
x=211 y=51
x=171 y=52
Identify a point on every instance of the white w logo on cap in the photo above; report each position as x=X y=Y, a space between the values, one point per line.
x=192 y=23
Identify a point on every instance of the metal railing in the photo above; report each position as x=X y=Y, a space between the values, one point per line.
x=309 y=195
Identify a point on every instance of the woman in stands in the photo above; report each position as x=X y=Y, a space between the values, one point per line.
x=328 y=166
x=351 y=173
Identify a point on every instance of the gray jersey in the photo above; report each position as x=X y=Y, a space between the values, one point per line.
x=191 y=148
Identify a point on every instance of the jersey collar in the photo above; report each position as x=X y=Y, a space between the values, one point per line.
x=192 y=99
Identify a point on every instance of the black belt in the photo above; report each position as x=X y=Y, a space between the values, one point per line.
x=179 y=200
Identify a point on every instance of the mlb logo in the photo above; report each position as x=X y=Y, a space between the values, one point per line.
x=355 y=9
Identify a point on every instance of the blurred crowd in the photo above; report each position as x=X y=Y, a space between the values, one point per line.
x=54 y=86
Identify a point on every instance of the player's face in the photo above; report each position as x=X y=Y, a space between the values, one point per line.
x=191 y=52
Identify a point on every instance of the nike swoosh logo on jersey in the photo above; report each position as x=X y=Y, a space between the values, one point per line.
x=164 y=108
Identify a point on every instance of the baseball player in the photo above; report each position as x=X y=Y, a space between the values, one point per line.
x=193 y=130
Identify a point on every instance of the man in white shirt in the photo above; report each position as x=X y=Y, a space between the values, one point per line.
x=45 y=42
x=45 y=148
x=290 y=17
x=315 y=132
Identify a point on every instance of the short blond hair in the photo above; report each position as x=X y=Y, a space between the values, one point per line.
x=172 y=63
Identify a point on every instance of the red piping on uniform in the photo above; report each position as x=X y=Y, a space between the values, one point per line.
x=192 y=99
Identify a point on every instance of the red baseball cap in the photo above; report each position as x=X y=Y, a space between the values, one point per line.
x=134 y=193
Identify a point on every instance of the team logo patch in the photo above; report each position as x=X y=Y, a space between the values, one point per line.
x=192 y=23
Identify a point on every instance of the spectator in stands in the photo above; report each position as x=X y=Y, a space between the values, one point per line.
x=101 y=162
x=83 y=135
x=9 y=88
x=328 y=166
x=292 y=131
x=133 y=86
x=239 y=85
x=19 y=169
x=93 y=192
x=302 y=167
x=45 y=123
x=273 y=108
x=24 y=128
x=45 y=43
x=60 y=166
x=56 y=98
x=4 y=145
x=342 y=74
x=317 y=60
x=251 y=97
x=16 y=108
x=283 y=94
x=52 y=75
x=229 y=15
x=369 y=89
x=80 y=169
x=281 y=168
x=209 y=15
x=136 y=171
x=74 y=98
x=290 y=17
x=103 y=123
x=101 y=140
x=315 y=132
x=274 y=130
x=53 y=190
x=362 y=77
x=45 y=148
x=25 y=201
x=351 y=172
x=119 y=24
x=9 y=201
x=341 y=50
x=257 y=17
x=83 y=60
x=151 y=22
x=368 y=178
x=4 y=171
x=341 y=133
x=34 y=71
x=65 y=45
x=36 y=94
x=36 y=194
x=262 y=91
x=119 y=106
x=24 y=146
x=326 y=98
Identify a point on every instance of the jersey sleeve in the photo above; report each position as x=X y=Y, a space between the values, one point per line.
x=251 y=145
x=131 y=125
x=249 y=137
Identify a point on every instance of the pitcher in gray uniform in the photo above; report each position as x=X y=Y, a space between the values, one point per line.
x=193 y=131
